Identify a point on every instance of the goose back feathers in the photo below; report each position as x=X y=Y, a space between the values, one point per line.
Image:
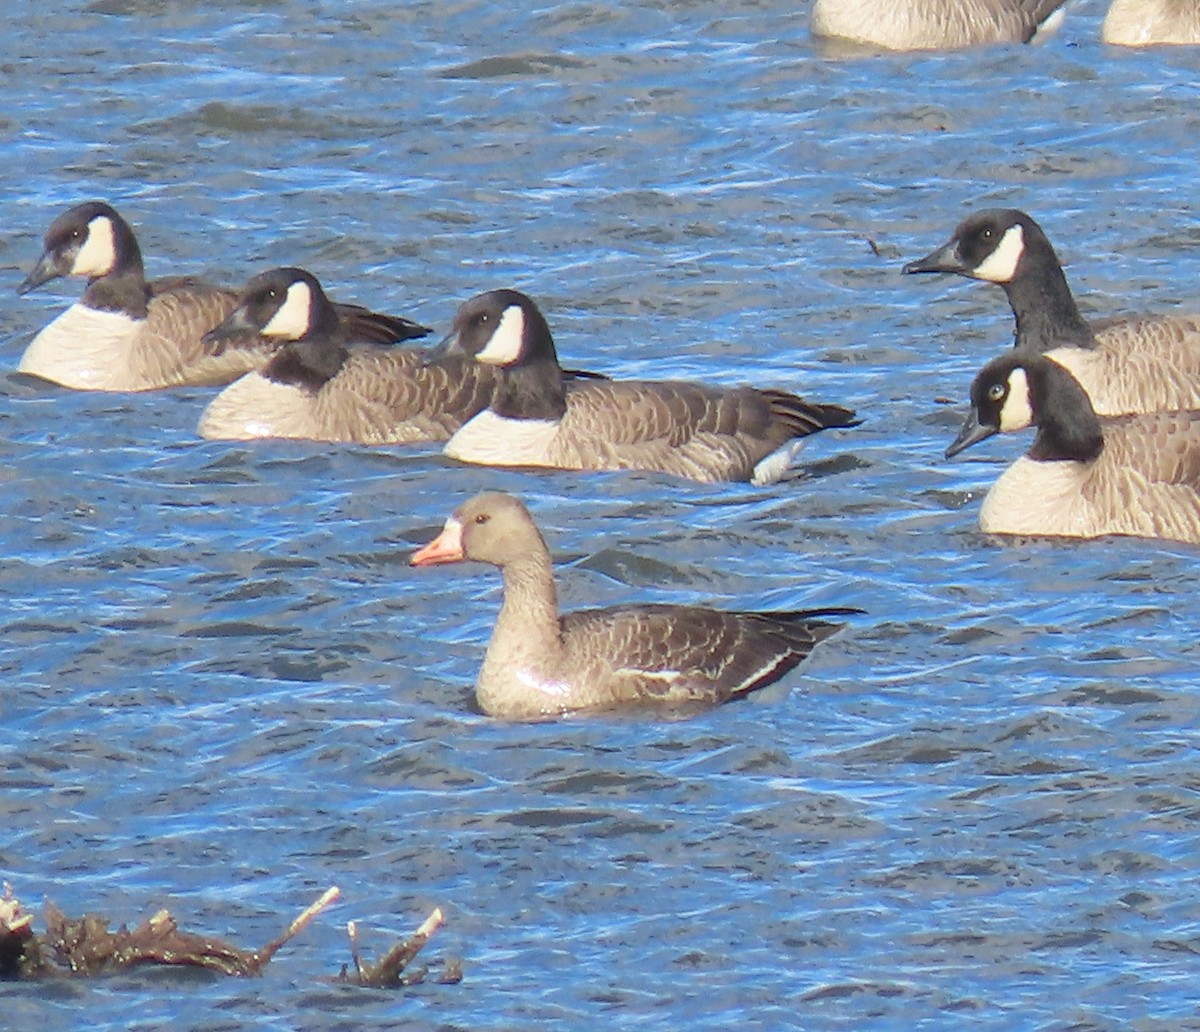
x=685 y=429
x=932 y=24
x=540 y=664
x=1128 y=364
x=1084 y=475
x=128 y=334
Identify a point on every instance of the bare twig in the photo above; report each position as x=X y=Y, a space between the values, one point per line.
x=388 y=970
x=263 y=956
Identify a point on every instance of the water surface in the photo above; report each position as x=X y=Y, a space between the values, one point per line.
x=225 y=689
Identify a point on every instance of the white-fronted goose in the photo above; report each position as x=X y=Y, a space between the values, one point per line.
x=684 y=429
x=1148 y=23
x=540 y=664
x=1129 y=364
x=933 y=24
x=127 y=334
x=1085 y=475
x=315 y=386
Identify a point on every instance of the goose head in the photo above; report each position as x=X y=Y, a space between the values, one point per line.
x=1017 y=391
x=492 y=527
x=282 y=304
x=501 y=328
x=90 y=240
x=997 y=245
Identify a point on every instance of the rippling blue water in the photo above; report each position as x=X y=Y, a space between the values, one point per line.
x=224 y=689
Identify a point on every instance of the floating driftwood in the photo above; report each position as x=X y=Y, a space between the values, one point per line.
x=85 y=946
x=19 y=949
x=391 y=969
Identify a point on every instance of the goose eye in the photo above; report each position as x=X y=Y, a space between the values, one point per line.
x=483 y=517
x=987 y=233
x=997 y=391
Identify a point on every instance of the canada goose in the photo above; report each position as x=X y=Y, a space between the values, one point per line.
x=125 y=334
x=540 y=664
x=1129 y=364
x=934 y=24
x=316 y=387
x=684 y=429
x=1145 y=23
x=1085 y=475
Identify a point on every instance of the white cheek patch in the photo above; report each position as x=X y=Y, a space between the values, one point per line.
x=504 y=345
x=292 y=320
x=1017 y=412
x=1001 y=265
x=98 y=254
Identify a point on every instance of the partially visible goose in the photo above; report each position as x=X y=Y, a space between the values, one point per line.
x=934 y=24
x=317 y=387
x=1147 y=23
x=127 y=334
x=540 y=664
x=1085 y=475
x=684 y=429
x=1129 y=364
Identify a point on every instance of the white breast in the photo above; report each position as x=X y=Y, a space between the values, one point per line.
x=492 y=440
x=254 y=407
x=84 y=348
x=1039 y=498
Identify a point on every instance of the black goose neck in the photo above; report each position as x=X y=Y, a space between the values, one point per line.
x=531 y=390
x=1045 y=310
x=121 y=290
x=324 y=321
x=309 y=363
x=1068 y=427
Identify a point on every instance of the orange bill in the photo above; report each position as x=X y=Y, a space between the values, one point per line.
x=445 y=548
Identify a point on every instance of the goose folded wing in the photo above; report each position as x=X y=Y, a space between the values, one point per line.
x=676 y=412
x=1162 y=447
x=676 y=655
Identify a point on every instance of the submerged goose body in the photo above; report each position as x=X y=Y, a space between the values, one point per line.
x=1084 y=476
x=128 y=334
x=1127 y=364
x=1146 y=23
x=684 y=429
x=933 y=24
x=540 y=664
x=317 y=387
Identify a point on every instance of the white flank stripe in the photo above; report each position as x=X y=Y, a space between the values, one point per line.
x=751 y=679
x=670 y=676
x=555 y=689
x=504 y=345
x=1050 y=26
x=1001 y=265
x=775 y=465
